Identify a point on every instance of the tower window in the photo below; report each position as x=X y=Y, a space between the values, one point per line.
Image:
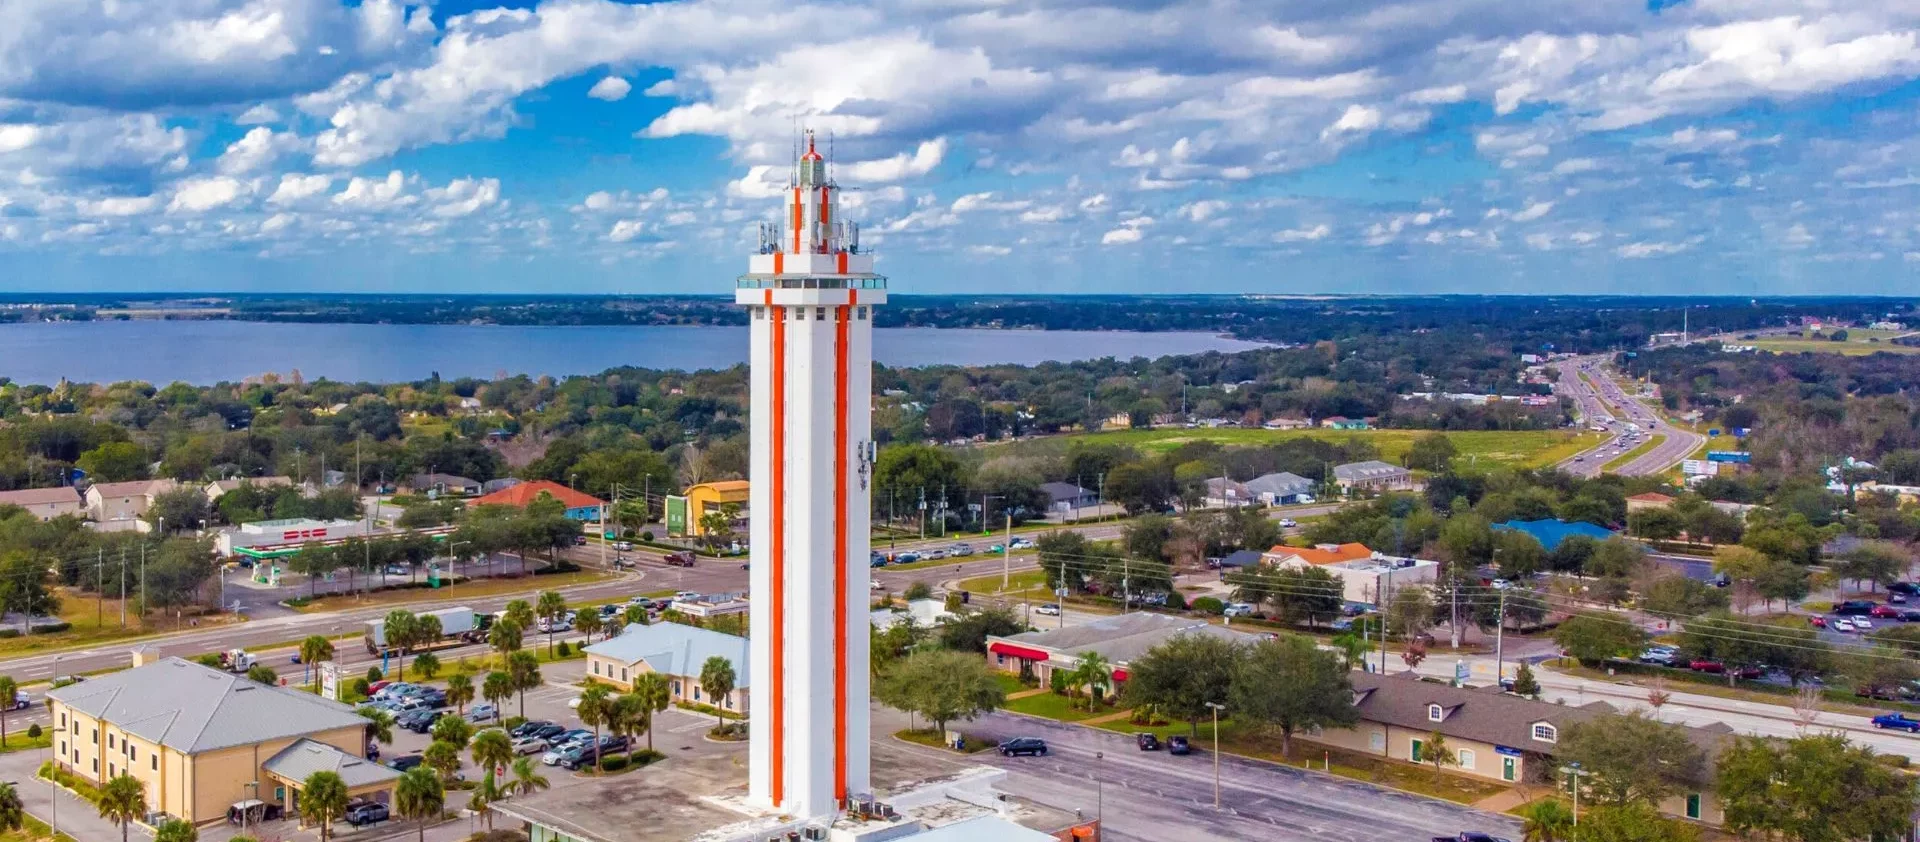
x=861 y=313
x=820 y=314
x=759 y=313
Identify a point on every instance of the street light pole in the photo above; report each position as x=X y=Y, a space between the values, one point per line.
x=1574 y=770
x=1216 y=708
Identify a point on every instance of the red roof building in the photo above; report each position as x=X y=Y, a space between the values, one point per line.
x=580 y=506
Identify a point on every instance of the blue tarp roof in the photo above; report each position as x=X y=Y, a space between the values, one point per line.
x=1550 y=532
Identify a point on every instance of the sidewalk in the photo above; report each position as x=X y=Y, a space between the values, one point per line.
x=77 y=818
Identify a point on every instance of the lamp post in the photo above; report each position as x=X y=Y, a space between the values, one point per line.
x=1573 y=769
x=53 y=789
x=1216 y=708
x=1099 y=792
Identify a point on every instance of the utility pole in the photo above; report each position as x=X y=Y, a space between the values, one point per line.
x=923 y=510
x=1215 y=707
x=1499 y=634
x=1453 y=627
x=1386 y=597
x=123 y=595
x=99 y=583
x=1006 y=556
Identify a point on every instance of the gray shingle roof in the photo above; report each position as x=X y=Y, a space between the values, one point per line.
x=1371 y=469
x=1064 y=491
x=1280 y=484
x=305 y=757
x=1488 y=717
x=1123 y=637
x=676 y=649
x=192 y=708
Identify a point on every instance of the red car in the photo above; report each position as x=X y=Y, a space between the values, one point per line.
x=1704 y=665
x=1886 y=612
x=1817 y=621
x=375 y=687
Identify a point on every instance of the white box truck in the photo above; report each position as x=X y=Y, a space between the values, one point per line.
x=453 y=623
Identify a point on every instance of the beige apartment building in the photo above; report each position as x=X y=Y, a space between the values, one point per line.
x=46 y=503
x=108 y=502
x=676 y=651
x=201 y=740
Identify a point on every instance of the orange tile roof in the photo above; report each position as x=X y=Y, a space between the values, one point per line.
x=1652 y=497
x=1317 y=556
x=520 y=495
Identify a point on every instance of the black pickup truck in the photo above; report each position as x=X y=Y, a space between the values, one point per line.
x=1470 y=836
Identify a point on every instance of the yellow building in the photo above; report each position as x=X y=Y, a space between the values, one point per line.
x=709 y=496
x=202 y=740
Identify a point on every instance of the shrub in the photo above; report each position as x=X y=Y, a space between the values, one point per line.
x=374 y=674
x=1176 y=601
x=207 y=660
x=33 y=731
x=918 y=590
x=1897 y=761
x=614 y=763
x=1057 y=682
x=646 y=535
x=1209 y=605
x=361 y=687
x=512 y=722
x=563 y=650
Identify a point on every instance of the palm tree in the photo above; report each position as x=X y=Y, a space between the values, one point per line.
x=505 y=636
x=175 y=830
x=551 y=608
x=521 y=613
x=1093 y=673
x=379 y=724
x=122 y=801
x=595 y=707
x=654 y=695
x=13 y=814
x=1546 y=821
x=420 y=797
x=589 y=623
x=442 y=757
x=426 y=665
x=526 y=778
x=716 y=677
x=525 y=670
x=460 y=691
x=399 y=628
x=497 y=687
x=452 y=729
x=323 y=798
x=492 y=750
x=313 y=650
x=484 y=793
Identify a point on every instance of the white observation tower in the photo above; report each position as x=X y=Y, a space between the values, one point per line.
x=811 y=294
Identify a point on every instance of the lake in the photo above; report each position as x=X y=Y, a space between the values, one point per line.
x=204 y=352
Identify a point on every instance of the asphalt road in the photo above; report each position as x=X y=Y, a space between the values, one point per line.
x=1604 y=400
x=1156 y=797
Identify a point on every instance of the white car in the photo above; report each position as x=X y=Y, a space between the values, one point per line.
x=1288 y=523
x=1048 y=608
x=1239 y=609
x=529 y=745
x=1841 y=624
x=685 y=596
x=1020 y=544
x=623 y=546
x=1862 y=624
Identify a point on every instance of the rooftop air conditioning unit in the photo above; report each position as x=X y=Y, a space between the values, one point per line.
x=814 y=833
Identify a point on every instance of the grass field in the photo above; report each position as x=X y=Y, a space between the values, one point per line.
x=1520 y=448
x=1858 y=343
x=464 y=590
x=94 y=622
x=1627 y=458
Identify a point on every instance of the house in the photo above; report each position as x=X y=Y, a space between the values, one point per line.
x=1649 y=500
x=1119 y=639
x=1280 y=489
x=924 y=613
x=443 y=484
x=1065 y=497
x=201 y=739
x=1494 y=735
x=219 y=488
x=1372 y=579
x=501 y=484
x=1739 y=510
x=1550 y=532
x=1285 y=422
x=1318 y=555
x=46 y=503
x=114 y=501
x=1240 y=560
x=685 y=512
x=1341 y=422
x=1372 y=475
x=1224 y=493
x=676 y=651
x=579 y=505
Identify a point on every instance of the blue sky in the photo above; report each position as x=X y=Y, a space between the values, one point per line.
x=1737 y=147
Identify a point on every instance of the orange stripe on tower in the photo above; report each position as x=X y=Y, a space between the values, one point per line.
x=841 y=444
x=779 y=262
x=779 y=572
x=841 y=258
x=796 y=220
x=825 y=218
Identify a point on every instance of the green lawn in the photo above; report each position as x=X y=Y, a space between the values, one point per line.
x=1055 y=706
x=1023 y=581
x=1524 y=448
x=1853 y=347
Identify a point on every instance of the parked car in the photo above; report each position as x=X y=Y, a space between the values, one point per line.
x=960 y=550
x=1178 y=745
x=1854 y=608
x=1897 y=598
x=1907 y=588
x=1885 y=612
x=584 y=754
x=405 y=762
x=682 y=558
x=1897 y=721
x=1817 y=621
x=529 y=745
x=907 y=557
x=1842 y=625
x=1238 y=609
x=1019 y=746
x=643 y=602
x=1020 y=544
x=1147 y=742
x=1862 y=624
x=483 y=712
x=1661 y=656
x=934 y=554
x=366 y=813
x=877 y=560
x=1910 y=615
x=1706 y=665
x=1051 y=609
x=562 y=624
x=528 y=727
x=623 y=546
x=685 y=596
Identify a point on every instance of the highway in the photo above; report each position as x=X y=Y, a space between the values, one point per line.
x=1600 y=400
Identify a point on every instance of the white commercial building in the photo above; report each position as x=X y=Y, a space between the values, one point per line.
x=1374 y=581
x=265 y=537
x=810 y=293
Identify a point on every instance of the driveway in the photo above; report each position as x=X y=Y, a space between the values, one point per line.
x=70 y=815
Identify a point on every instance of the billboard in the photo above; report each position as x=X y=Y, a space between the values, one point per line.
x=329 y=680
x=1699 y=468
x=1738 y=456
x=677 y=509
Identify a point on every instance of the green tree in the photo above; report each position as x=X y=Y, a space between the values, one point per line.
x=505 y=636
x=13 y=813
x=419 y=796
x=9 y=690
x=1518 y=554
x=323 y=799
x=943 y=687
x=1290 y=684
x=1546 y=820
x=1817 y=788
x=1595 y=636
x=1632 y=823
x=651 y=695
x=525 y=670
x=551 y=607
x=313 y=650
x=443 y=758
x=1435 y=752
x=175 y=830
x=379 y=723
x=1874 y=562
x=527 y=779
x=1064 y=557
x=717 y=679
x=1181 y=676
x=400 y=627
x=1632 y=758
x=595 y=711
x=179 y=509
x=492 y=750
x=1657 y=524
x=497 y=688
x=426 y=665
x=123 y=800
x=263 y=674
x=1431 y=452
x=1616 y=557
x=589 y=623
x=460 y=691
x=970 y=632
x=453 y=730
x=1092 y=672
x=1524 y=683
x=118 y=461
x=521 y=613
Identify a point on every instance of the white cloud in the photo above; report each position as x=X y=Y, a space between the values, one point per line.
x=1532 y=212
x=297 y=186
x=1357 y=119
x=464 y=196
x=625 y=230
x=17 y=136
x=598 y=200
x=258 y=114
x=369 y=194
x=1202 y=210
x=1575 y=165
x=901 y=166
x=990 y=250
x=1130 y=231
x=1300 y=235
x=1097 y=201
x=610 y=89
x=198 y=195
x=1651 y=249
x=119 y=206
x=986 y=202
x=255 y=151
